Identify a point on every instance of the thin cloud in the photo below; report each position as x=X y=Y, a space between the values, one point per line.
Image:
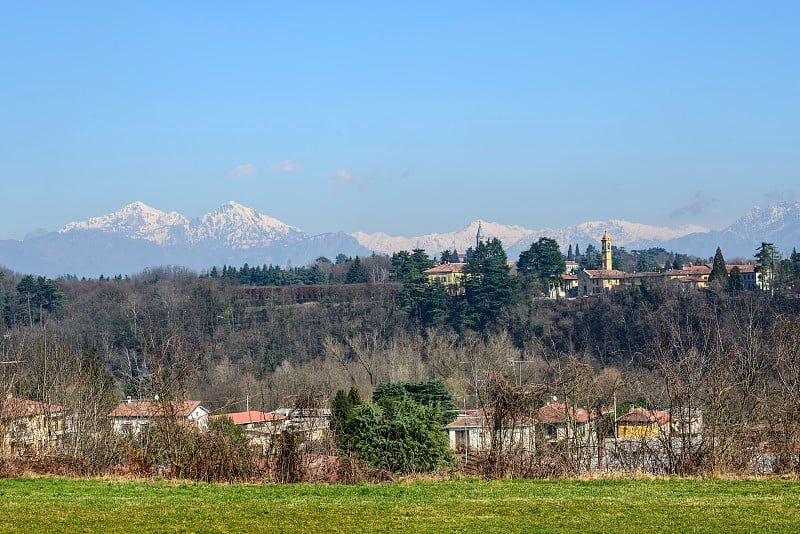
x=286 y=165
x=242 y=170
x=343 y=179
x=780 y=196
x=699 y=206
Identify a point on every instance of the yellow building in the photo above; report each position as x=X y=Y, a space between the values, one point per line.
x=640 y=423
x=28 y=426
x=447 y=274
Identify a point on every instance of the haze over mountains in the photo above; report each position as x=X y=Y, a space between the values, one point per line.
x=139 y=236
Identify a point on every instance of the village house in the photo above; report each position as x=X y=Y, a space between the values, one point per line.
x=596 y=281
x=472 y=432
x=133 y=416
x=313 y=423
x=260 y=427
x=640 y=423
x=30 y=427
x=559 y=422
x=447 y=273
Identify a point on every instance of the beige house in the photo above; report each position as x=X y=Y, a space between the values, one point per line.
x=472 y=432
x=260 y=427
x=28 y=426
x=559 y=422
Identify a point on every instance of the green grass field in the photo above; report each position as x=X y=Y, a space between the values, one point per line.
x=63 y=505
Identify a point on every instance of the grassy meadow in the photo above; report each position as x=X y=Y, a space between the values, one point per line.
x=675 y=505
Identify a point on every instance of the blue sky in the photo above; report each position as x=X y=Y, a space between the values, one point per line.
x=409 y=119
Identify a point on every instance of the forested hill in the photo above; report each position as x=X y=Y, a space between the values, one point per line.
x=270 y=343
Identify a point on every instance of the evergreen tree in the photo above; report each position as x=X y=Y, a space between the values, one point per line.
x=342 y=408
x=719 y=271
x=768 y=259
x=488 y=287
x=542 y=260
x=570 y=255
x=432 y=393
x=735 y=280
x=401 y=436
x=356 y=274
x=425 y=301
x=590 y=258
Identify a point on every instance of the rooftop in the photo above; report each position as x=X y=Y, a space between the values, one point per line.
x=154 y=408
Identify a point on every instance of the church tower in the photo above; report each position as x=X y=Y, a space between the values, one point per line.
x=605 y=261
x=479 y=237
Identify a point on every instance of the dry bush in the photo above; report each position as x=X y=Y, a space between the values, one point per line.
x=57 y=465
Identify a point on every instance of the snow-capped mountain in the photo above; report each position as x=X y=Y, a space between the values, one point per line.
x=762 y=223
x=239 y=227
x=435 y=243
x=231 y=225
x=778 y=224
x=518 y=238
x=137 y=221
x=139 y=236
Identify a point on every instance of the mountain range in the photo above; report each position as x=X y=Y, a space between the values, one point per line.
x=139 y=236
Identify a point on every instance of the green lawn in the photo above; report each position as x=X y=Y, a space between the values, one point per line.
x=62 y=505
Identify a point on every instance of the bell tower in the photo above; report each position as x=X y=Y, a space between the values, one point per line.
x=479 y=238
x=605 y=262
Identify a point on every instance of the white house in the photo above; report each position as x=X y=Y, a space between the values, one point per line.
x=132 y=416
x=472 y=431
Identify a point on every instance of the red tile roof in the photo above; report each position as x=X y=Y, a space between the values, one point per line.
x=641 y=415
x=13 y=407
x=154 y=408
x=606 y=273
x=697 y=269
x=557 y=413
x=478 y=418
x=744 y=268
x=243 y=418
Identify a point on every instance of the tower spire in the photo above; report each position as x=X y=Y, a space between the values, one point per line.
x=606 y=262
x=479 y=236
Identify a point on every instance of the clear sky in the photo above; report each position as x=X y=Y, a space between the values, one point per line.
x=406 y=118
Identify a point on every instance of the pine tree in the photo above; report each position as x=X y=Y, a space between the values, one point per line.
x=356 y=274
x=768 y=258
x=488 y=287
x=719 y=271
x=735 y=280
x=542 y=260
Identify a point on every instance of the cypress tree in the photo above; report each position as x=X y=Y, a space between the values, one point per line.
x=719 y=272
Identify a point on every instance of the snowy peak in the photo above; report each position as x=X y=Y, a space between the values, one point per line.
x=136 y=221
x=231 y=225
x=434 y=243
x=624 y=232
x=238 y=226
x=761 y=223
x=516 y=238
